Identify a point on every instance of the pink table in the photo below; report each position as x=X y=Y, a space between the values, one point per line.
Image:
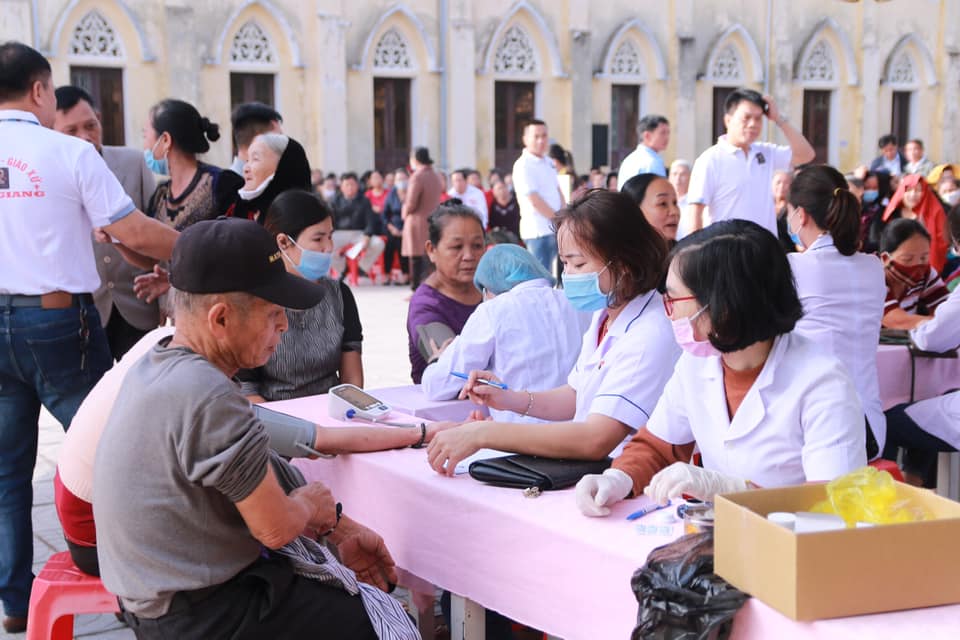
x=538 y=560
x=410 y=399
x=934 y=376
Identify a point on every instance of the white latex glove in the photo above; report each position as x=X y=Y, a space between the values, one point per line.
x=595 y=492
x=698 y=482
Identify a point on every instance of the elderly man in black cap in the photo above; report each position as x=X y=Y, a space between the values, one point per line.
x=199 y=524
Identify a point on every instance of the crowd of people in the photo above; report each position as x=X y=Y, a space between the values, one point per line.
x=732 y=307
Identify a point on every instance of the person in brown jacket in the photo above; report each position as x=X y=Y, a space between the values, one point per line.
x=423 y=197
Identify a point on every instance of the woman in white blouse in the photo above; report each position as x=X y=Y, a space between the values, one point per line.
x=842 y=291
x=613 y=261
x=498 y=336
x=929 y=426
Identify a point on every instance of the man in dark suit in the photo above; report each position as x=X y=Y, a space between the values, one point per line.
x=125 y=318
x=890 y=159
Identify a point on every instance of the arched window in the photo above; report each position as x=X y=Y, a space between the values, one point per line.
x=95 y=37
x=515 y=54
x=392 y=52
x=819 y=64
x=252 y=46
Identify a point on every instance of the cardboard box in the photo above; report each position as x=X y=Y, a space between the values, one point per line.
x=837 y=573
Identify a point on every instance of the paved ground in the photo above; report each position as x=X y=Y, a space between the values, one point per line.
x=383 y=312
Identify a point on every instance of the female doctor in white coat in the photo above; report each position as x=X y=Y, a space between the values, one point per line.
x=927 y=427
x=613 y=261
x=766 y=407
x=842 y=291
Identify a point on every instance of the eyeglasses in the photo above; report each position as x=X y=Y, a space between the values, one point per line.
x=668 y=302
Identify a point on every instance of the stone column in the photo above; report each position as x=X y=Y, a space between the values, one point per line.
x=781 y=73
x=685 y=83
x=870 y=72
x=183 y=36
x=460 y=64
x=948 y=74
x=581 y=84
x=330 y=87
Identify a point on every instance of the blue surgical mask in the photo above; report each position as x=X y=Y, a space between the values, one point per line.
x=583 y=290
x=870 y=196
x=158 y=167
x=313 y=265
x=795 y=239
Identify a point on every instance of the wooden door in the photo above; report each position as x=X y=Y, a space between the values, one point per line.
x=105 y=86
x=900 y=116
x=719 y=98
x=513 y=109
x=816 y=123
x=624 y=115
x=391 y=123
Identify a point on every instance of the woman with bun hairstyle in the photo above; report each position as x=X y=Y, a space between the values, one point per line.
x=173 y=137
x=842 y=290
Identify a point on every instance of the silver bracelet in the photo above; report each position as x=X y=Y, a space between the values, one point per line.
x=526 y=411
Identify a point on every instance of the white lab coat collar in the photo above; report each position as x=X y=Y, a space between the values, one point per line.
x=822 y=242
x=16 y=114
x=531 y=284
x=633 y=310
x=752 y=409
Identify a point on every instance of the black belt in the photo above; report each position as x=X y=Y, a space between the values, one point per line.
x=44 y=301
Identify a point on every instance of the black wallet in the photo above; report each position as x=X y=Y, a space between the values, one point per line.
x=525 y=472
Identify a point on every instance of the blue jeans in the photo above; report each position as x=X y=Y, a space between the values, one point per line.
x=40 y=363
x=544 y=249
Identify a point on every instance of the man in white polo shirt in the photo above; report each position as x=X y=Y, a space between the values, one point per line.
x=54 y=191
x=538 y=193
x=468 y=194
x=734 y=177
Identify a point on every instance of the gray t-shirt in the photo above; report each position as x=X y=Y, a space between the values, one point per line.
x=179 y=449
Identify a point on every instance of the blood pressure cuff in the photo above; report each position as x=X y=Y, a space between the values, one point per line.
x=524 y=472
x=291 y=437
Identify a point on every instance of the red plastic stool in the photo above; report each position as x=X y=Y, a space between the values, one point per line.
x=61 y=591
x=889 y=466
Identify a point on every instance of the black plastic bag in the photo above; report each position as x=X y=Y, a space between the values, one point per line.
x=680 y=597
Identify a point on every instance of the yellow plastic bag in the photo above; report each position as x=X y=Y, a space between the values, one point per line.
x=868 y=495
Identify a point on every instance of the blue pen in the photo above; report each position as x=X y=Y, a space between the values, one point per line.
x=463 y=376
x=636 y=515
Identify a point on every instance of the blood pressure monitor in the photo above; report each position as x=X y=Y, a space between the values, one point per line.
x=348 y=401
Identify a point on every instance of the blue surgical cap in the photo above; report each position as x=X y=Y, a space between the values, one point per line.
x=504 y=266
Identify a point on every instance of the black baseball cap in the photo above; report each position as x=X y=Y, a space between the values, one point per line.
x=230 y=255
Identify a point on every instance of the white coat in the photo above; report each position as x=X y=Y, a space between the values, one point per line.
x=529 y=337
x=623 y=377
x=843 y=299
x=940 y=416
x=800 y=421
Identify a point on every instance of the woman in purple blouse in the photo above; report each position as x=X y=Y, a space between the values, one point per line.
x=448 y=295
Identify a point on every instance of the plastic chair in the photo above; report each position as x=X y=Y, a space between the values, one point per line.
x=889 y=466
x=60 y=592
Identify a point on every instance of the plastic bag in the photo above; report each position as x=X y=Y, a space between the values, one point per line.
x=868 y=495
x=680 y=597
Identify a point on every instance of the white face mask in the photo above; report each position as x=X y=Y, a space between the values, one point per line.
x=250 y=194
x=952 y=198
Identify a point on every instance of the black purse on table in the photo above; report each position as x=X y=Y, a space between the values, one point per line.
x=532 y=472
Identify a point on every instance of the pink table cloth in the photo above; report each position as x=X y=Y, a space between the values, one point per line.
x=934 y=376
x=537 y=560
x=409 y=399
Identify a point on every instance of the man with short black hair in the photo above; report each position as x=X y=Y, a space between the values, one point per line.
x=538 y=193
x=654 y=133
x=56 y=191
x=734 y=177
x=249 y=120
x=468 y=193
x=125 y=317
x=357 y=227
x=889 y=161
x=219 y=540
